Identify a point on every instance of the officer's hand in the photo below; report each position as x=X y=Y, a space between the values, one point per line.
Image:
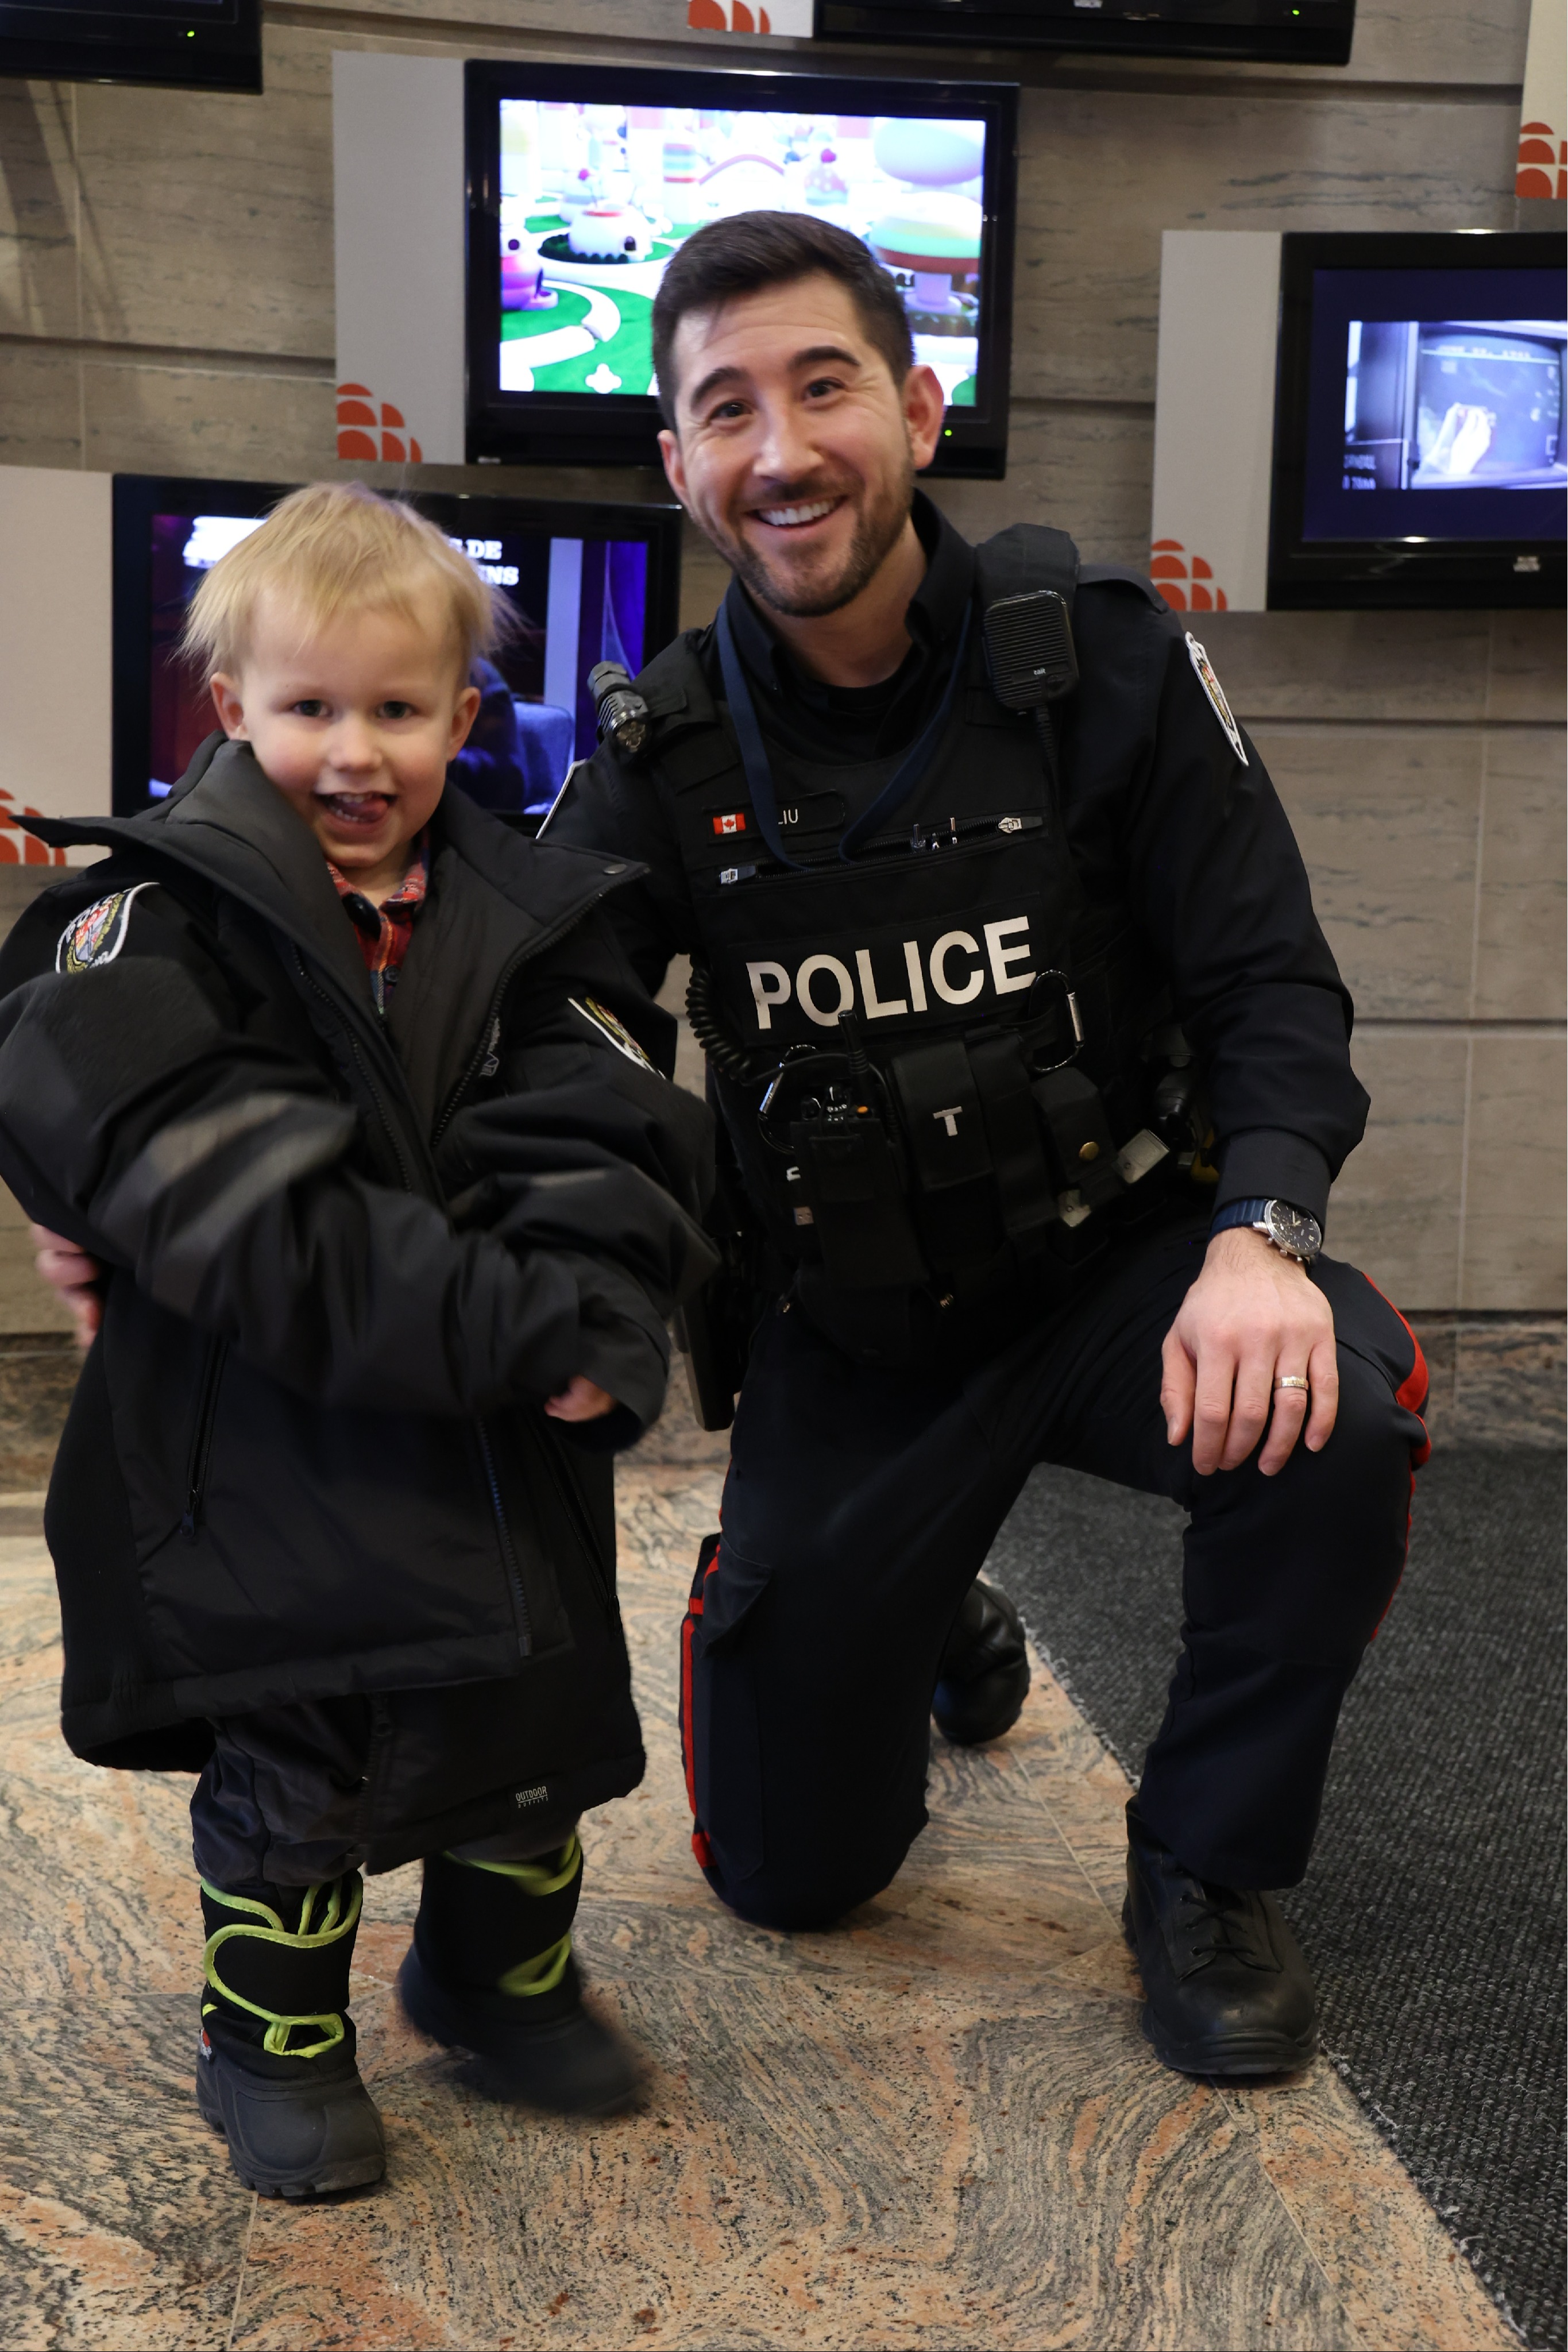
x=581 y=1399
x=73 y=1274
x=1251 y=1315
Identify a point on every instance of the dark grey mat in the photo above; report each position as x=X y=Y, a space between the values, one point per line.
x=1433 y=1914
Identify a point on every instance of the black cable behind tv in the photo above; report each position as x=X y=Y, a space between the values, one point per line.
x=188 y=43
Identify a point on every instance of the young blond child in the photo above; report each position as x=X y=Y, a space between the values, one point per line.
x=351 y=1100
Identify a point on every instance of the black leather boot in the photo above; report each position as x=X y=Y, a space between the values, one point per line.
x=275 y=2071
x=984 y=1678
x=1227 y=1989
x=491 y=1970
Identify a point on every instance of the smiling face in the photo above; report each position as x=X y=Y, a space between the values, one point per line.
x=354 y=724
x=796 y=451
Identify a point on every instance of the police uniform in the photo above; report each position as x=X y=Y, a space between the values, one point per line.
x=1081 y=970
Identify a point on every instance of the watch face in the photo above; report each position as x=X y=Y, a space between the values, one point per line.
x=1294 y=1229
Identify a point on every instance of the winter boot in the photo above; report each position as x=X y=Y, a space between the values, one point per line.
x=276 y=2072
x=491 y=1970
x=984 y=1678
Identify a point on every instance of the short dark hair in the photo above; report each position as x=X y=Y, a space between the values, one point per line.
x=751 y=250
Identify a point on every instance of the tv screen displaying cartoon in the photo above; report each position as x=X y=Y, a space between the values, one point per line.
x=1422 y=428
x=598 y=178
x=586 y=583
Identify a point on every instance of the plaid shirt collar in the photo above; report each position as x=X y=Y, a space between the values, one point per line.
x=384 y=932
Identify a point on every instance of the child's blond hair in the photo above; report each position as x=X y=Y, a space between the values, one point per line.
x=335 y=547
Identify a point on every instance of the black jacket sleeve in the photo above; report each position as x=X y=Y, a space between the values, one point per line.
x=1166 y=814
x=619 y=805
x=139 y=1114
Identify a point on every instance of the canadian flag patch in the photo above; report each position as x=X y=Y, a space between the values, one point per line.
x=733 y=822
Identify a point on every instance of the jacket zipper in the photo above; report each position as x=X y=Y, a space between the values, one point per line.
x=202 y=1437
x=490 y=1038
x=573 y=1508
x=508 y=1551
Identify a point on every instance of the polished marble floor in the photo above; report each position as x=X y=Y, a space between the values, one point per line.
x=936 y=2128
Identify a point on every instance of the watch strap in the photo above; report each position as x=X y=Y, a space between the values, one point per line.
x=1240 y=1212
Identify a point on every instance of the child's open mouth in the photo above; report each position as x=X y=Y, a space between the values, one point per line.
x=356 y=812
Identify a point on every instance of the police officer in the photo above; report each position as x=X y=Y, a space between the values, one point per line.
x=1002 y=947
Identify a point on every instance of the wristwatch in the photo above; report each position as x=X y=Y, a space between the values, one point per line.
x=1292 y=1231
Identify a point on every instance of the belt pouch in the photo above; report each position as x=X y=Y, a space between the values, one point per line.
x=951 y=1151
x=1023 y=1185
x=1077 y=1136
x=851 y=1182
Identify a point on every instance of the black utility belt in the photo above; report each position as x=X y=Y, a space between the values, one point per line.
x=926 y=1165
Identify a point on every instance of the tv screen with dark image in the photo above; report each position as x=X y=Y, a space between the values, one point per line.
x=597 y=178
x=1421 y=427
x=585 y=582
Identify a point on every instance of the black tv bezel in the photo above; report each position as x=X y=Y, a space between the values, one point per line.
x=1318 y=574
x=575 y=428
x=1260 y=32
x=221 y=57
x=137 y=498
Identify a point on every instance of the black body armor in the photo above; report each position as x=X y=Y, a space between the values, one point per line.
x=936 y=1062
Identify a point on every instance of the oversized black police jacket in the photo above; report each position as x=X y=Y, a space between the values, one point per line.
x=348 y=1261
x=1161 y=877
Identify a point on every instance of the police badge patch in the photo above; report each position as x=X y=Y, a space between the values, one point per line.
x=96 y=935
x=614 y=1032
x=1215 y=692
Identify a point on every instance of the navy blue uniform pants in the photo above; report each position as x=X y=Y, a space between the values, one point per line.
x=861 y=1504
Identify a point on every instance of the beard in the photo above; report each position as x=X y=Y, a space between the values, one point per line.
x=878 y=527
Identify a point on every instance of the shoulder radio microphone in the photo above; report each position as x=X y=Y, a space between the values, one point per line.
x=620 y=708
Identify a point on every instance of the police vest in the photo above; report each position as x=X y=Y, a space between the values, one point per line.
x=922 y=1048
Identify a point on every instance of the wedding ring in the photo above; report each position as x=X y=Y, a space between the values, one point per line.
x=1292 y=1380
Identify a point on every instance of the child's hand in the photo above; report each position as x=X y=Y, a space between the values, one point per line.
x=580 y=1399
x=73 y=1274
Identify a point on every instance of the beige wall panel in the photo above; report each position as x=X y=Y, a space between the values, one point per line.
x=1088 y=472
x=1513 y=1252
x=162 y=420
x=1440 y=40
x=704 y=577
x=1414 y=665
x=1387 y=818
x=207 y=220
x=1102 y=173
x=40 y=407
x=1527 y=678
x=1519 y=938
x=1395 y=1209
x=25 y=1303
x=37 y=210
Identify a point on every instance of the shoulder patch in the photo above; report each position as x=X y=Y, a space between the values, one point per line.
x=615 y=1033
x=1215 y=692
x=96 y=935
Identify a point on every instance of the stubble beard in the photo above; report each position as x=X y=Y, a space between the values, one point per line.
x=877 y=531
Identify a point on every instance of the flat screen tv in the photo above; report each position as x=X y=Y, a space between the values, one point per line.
x=1421 y=444
x=588 y=582
x=583 y=181
x=1284 y=32
x=197 y=44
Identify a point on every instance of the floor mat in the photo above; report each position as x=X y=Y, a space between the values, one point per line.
x=1433 y=1913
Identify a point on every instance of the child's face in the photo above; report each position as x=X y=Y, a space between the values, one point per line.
x=353 y=726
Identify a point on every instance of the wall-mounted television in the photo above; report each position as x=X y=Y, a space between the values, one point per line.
x=589 y=582
x=1421 y=437
x=1283 y=32
x=583 y=181
x=197 y=44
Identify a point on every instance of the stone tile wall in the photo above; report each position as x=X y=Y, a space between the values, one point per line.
x=166 y=305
